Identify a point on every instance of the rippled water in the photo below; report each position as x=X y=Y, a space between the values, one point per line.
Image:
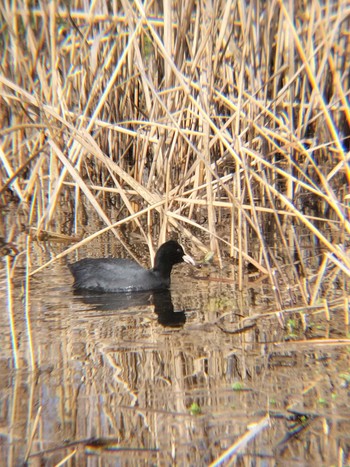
x=168 y=380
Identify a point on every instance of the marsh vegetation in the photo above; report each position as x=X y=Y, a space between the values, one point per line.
x=223 y=124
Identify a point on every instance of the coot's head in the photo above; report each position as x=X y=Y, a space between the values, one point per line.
x=170 y=253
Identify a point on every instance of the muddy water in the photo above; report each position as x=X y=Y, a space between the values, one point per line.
x=169 y=380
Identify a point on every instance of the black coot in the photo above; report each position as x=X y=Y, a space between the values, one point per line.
x=123 y=275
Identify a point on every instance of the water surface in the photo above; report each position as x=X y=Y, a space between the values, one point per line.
x=172 y=380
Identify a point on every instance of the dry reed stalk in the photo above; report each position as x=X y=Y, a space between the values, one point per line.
x=75 y=149
x=11 y=174
x=329 y=197
x=315 y=343
x=326 y=310
x=320 y=277
x=13 y=420
x=32 y=434
x=27 y=306
x=313 y=81
x=240 y=444
x=10 y=311
x=66 y=458
x=294 y=274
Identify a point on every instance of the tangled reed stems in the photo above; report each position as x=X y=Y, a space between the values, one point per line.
x=226 y=122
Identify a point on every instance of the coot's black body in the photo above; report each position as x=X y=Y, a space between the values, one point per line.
x=122 y=275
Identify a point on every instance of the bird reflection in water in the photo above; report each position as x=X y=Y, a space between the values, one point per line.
x=161 y=300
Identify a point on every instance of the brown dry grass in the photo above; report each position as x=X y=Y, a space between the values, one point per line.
x=226 y=124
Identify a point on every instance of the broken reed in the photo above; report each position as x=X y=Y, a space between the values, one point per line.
x=222 y=121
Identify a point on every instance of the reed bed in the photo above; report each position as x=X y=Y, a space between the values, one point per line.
x=221 y=122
